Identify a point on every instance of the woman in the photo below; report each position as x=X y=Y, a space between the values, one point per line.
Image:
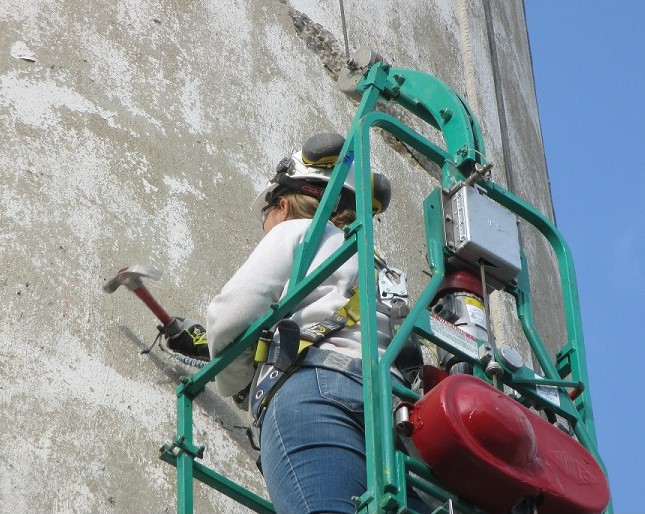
x=312 y=434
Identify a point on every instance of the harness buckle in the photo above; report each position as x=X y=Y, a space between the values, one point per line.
x=392 y=284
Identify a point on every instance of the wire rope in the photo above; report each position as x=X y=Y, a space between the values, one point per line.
x=344 y=24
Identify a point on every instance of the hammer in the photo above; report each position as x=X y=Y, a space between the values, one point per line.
x=186 y=338
x=131 y=277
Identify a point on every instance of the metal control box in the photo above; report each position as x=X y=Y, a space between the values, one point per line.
x=479 y=230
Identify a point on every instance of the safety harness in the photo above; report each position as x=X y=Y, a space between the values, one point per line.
x=276 y=362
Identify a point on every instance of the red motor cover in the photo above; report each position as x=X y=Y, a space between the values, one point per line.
x=491 y=451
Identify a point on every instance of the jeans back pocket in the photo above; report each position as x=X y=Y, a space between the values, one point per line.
x=342 y=389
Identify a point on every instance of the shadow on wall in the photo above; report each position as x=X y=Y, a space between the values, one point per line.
x=228 y=417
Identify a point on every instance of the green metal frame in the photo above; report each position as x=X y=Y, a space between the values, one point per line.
x=390 y=472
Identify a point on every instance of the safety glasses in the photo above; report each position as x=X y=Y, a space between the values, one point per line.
x=265 y=212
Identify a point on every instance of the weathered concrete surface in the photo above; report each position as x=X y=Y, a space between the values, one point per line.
x=138 y=131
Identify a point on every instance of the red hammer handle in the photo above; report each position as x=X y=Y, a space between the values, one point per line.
x=152 y=304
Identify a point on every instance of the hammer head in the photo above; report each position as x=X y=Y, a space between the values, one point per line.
x=131 y=277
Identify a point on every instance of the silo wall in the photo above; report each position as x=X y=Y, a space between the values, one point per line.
x=138 y=132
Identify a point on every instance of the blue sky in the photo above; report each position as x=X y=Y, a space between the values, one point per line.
x=589 y=65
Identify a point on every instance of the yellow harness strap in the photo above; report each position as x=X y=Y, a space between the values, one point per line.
x=351 y=310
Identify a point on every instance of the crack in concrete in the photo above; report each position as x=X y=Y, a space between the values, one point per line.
x=332 y=55
x=320 y=40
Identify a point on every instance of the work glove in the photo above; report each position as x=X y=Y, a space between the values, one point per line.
x=187 y=337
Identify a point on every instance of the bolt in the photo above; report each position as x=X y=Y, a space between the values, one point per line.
x=446 y=114
x=405 y=428
x=514 y=395
x=389 y=502
x=400 y=79
x=493 y=369
x=510 y=357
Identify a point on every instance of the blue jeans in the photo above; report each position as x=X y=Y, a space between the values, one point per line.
x=313 y=443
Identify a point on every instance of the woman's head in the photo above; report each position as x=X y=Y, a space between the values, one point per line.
x=274 y=213
x=293 y=174
x=301 y=179
x=294 y=205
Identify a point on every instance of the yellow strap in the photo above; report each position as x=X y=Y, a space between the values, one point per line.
x=262 y=349
x=304 y=345
x=351 y=310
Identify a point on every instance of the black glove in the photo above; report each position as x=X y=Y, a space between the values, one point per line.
x=187 y=337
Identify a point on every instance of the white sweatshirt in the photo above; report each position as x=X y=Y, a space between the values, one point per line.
x=263 y=280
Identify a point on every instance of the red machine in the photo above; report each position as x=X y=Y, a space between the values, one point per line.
x=492 y=451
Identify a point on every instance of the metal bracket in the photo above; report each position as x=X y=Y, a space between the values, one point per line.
x=357 y=67
x=392 y=283
x=179 y=445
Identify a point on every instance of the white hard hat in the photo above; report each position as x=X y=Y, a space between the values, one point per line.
x=308 y=172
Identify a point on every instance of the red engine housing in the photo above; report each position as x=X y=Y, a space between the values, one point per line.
x=492 y=451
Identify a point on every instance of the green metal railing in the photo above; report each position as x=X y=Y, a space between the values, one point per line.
x=389 y=472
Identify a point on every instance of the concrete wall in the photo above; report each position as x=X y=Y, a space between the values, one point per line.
x=138 y=132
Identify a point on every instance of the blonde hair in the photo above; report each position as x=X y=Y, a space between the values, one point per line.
x=303 y=206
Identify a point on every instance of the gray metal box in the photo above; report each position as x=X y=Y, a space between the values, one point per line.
x=479 y=229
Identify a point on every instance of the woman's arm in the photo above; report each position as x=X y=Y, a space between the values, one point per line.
x=258 y=283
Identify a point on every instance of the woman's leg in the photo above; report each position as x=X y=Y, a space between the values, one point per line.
x=313 y=443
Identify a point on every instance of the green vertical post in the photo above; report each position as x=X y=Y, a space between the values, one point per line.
x=372 y=388
x=570 y=298
x=184 y=459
